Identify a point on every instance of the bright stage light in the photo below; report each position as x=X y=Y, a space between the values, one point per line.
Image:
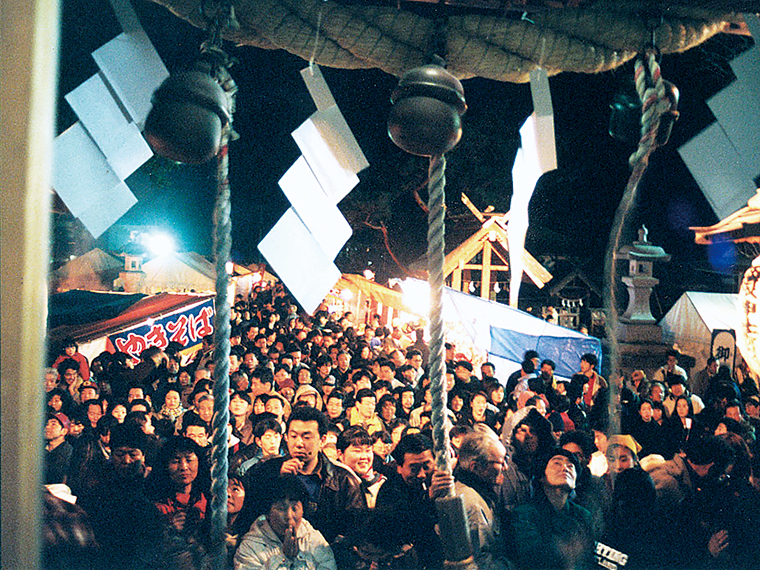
x=346 y=294
x=160 y=244
x=417 y=296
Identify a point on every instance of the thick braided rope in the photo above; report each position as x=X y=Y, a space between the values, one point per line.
x=354 y=36
x=219 y=466
x=435 y=255
x=655 y=103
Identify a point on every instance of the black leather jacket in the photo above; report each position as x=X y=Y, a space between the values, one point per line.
x=340 y=499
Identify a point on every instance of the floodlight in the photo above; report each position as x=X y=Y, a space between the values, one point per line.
x=160 y=245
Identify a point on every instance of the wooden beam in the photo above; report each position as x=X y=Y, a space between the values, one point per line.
x=500 y=255
x=479 y=267
x=485 y=282
x=456 y=280
x=468 y=249
x=492 y=227
x=466 y=201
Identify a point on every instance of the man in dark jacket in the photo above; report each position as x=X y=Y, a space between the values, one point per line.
x=335 y=495
x=479 y=471
x=406 y=498
x=126 y=524
x=551 y=531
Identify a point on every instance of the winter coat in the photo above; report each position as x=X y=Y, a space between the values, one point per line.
x=339 y=500
x=261 y=549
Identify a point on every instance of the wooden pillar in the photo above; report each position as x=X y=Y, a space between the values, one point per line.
x=28 y=67
x=456 y=279
x=485 y=283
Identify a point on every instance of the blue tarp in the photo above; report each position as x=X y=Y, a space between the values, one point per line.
x=565 y=351
x=506 y=333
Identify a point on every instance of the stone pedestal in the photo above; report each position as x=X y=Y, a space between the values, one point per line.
x=639 y=332
x=639 y=293
x=639 y=338
x=647 y=356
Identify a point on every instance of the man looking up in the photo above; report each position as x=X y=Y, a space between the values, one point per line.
x=551 y=531
x=58 y=451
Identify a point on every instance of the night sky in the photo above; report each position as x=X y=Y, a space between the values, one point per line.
x=571 y=210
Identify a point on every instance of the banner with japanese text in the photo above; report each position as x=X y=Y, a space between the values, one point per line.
x=187 y=326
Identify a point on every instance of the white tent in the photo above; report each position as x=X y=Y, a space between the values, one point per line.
x=92 y=271
x=690 y=322
x=179 y=273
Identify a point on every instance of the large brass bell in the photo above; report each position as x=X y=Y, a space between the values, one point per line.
x=190 y=109
x=426 y=118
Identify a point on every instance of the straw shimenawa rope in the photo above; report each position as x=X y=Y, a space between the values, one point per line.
x=220 y=16
x=588 y=40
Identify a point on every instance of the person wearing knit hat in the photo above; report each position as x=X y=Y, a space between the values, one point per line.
x=287 y=388
x=309 y=395
x=625 y=441
x=622 y=454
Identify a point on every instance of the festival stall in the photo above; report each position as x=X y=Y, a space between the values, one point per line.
x=703 y=324
x=246 y=279
x=130 y=322
x=178 y=273
x=366 y=298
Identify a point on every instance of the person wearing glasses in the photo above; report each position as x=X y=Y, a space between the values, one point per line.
x=479 y=472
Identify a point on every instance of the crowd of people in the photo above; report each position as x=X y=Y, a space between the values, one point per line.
x=331 y=461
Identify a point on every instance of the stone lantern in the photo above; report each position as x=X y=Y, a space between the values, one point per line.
x=637 y=323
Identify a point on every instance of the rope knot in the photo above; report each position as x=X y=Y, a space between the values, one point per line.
x=659 y=99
